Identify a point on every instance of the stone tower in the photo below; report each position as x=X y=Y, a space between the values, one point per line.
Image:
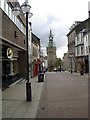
x=51 y=52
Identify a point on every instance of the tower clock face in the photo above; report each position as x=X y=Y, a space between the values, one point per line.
x=50 y=38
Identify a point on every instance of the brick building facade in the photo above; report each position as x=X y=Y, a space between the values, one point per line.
x=12 y=38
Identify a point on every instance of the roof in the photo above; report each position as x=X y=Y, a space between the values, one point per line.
x=80 y=26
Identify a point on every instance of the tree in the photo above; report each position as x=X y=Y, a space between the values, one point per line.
x=58 y=62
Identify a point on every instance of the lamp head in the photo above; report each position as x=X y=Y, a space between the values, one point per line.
x=30 y=15
x=16 y=11
x=25 y=7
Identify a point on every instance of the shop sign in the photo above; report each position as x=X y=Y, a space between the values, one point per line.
x=9 y=53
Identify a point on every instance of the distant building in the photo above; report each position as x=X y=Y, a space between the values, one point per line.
x=65 y=62
x=51 y=52
x=35 y=47
x=82 y=49
x=78 y=46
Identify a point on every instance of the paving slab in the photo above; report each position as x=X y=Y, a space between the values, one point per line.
x=64 y=95
x=14 y=104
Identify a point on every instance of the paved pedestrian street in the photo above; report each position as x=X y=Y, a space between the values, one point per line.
x=14 y=104
x=61 y=95
x=64 y=95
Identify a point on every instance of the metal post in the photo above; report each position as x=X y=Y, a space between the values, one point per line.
x=89 y=62
x=28 y=85
x=71 y=64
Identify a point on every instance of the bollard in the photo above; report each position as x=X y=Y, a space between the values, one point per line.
x=28 y=92
x=81 y=72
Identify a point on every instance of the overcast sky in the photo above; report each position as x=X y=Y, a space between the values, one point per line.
x=57 y=15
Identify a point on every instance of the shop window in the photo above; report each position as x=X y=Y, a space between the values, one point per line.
x=15 y=67
x=6 y=68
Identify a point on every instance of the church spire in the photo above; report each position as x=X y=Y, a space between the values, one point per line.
x=50 y=36
x=51 y=42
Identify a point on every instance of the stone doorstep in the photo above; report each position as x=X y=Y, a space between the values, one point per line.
x=17 y=82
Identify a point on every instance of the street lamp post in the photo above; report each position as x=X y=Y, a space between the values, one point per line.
x=28 y=85
x=16 y=11
x=71 y=64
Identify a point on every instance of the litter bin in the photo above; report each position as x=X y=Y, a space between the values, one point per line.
x=41 y=77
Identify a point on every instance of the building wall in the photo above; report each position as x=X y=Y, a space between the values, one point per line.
x=22 y=63
x=13 y=37
x=71 y=42
x=80 y=46
x=0 y=49
x=51 y=56
x=8 y=32
x=66 y=62
x=35 y=54
x=0 y=22
x=71 y=50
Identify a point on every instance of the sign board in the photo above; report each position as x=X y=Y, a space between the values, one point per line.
x=9 y=53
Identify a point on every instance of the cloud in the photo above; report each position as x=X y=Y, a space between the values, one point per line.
x=42 y=28
x=51 y=19
x=60 y=51
x=56 y=15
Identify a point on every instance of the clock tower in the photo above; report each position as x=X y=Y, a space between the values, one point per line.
x=51 y=52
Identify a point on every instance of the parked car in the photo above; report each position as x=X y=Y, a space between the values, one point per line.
x=55 y=70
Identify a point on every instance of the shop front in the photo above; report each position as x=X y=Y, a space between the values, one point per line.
x=9 y=65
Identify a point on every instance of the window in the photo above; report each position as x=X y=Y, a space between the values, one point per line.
x=77 y=39
x=34 y=52
x=12 y=16
x=8 y=11
x=86 y=49
x=0 y=3
x=89 y=49
x=77 y=50
x=81 y=50
x=86 y=38
x=4 y=6
x=81 y=37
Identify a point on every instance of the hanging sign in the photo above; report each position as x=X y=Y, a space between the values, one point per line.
x=9 y=53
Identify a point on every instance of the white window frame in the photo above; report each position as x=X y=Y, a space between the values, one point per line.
x=4 y=6
x=0 y=3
